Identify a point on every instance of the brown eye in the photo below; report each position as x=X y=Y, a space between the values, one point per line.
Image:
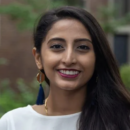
x=56 y=46
x=83 y=47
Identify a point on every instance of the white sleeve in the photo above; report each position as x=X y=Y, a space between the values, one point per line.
x=4 y=122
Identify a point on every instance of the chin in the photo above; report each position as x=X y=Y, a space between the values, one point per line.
x=68 y=88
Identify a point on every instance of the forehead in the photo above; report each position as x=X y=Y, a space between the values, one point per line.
x=68 y=27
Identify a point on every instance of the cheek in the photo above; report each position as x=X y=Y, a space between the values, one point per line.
x=50 y=61
x=89 y=64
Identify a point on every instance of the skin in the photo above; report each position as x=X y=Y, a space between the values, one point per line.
x=75 y=51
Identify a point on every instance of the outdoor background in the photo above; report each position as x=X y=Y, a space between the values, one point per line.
x=18 y=85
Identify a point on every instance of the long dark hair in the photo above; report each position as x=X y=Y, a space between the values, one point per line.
x=107 y=105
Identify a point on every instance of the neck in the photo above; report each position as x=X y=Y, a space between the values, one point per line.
x=63 y=102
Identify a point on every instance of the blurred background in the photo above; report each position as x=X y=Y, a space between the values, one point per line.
x=18 y=85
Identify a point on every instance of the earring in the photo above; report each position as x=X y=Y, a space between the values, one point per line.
x=41 y=95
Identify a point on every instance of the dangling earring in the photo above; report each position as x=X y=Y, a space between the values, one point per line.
x=41 y=95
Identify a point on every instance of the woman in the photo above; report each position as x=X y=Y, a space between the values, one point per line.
x=86 y=90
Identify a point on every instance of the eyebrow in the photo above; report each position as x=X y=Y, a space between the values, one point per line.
x=63 y=40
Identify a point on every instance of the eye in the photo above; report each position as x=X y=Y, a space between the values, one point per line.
x=56 y=46
x=83 y=47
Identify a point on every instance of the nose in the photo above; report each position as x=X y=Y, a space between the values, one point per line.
x=69 y=57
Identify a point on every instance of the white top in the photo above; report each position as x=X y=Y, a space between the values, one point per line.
x=26 y=118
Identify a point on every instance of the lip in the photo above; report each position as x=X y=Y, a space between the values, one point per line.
x=68 y=76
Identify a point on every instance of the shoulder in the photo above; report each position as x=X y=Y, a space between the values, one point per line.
x=16 y=112
x=14 y=115
x=4 y=121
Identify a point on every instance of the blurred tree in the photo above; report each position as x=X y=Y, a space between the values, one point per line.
x=125 y=75
x=27 y=12
x=72 y=2
x=10 y=99
x=3 y=61
x=109 y=20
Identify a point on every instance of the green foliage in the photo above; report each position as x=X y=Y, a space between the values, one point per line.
x=74 y=2
x=44 y=5
x=10 y=99
x=108 y=18
x=26 y=14
x=3 y=61
x=125 y=75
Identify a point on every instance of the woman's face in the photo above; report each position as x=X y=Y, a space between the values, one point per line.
x=67 y=46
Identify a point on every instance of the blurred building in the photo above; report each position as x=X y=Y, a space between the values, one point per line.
x=120 y=41
x=16 y=47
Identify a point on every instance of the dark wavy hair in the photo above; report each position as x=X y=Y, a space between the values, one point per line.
x=107 y=105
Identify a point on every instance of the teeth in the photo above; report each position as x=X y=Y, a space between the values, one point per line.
x=69 y=72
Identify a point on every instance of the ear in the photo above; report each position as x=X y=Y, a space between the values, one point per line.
x=37 y=58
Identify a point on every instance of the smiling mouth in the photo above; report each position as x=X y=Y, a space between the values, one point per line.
x=68 y=75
